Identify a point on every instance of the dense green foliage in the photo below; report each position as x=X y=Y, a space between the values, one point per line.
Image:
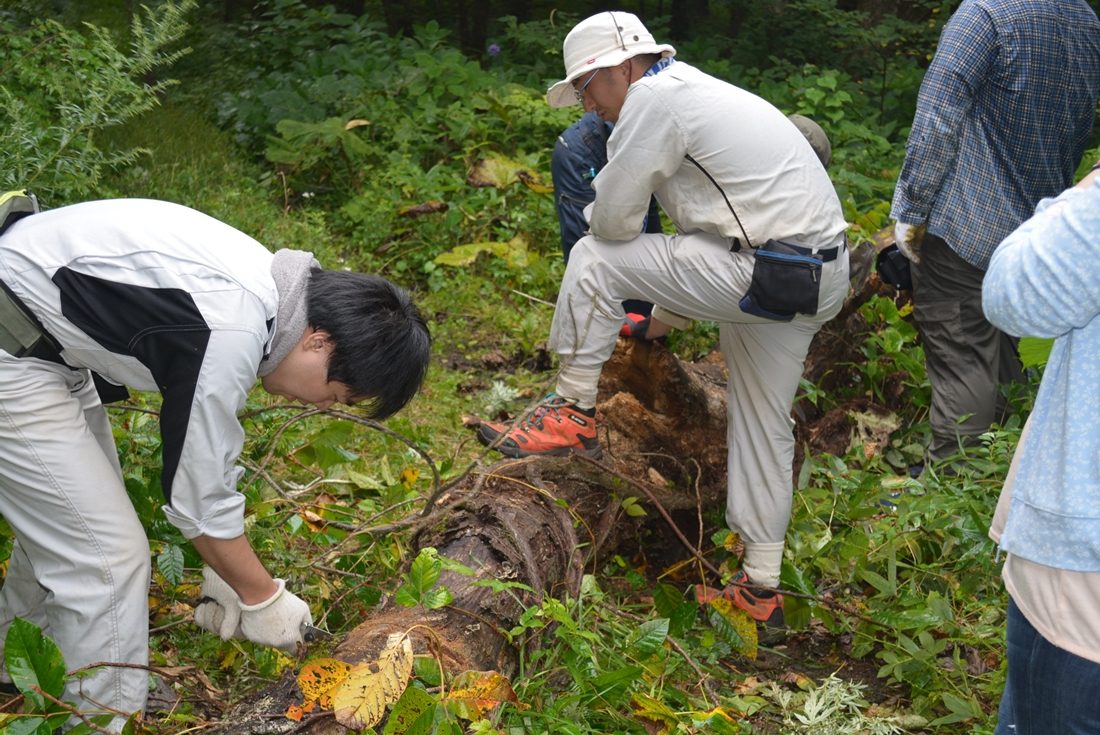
x=318 y=127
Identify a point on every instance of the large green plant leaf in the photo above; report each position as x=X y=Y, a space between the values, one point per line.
x=1035 y=351
x=649 y=637
x=33 y=660
x=170 y=563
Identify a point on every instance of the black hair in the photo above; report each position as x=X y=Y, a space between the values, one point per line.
x=381 y=343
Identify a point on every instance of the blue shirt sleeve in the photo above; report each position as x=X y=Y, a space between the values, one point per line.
x=1044 y=278
x=967 y=50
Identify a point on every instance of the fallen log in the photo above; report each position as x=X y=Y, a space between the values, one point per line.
x=542 y=522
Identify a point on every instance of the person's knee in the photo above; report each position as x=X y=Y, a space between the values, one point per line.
x=126 y=560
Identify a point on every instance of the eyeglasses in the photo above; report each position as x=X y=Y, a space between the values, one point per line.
x=579 y=91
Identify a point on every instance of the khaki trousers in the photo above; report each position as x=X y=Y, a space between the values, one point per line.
x=80 y=566
x=698 y=277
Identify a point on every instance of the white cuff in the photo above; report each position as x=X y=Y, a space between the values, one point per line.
x=281 y=584
x=670 y=318
x=579 y=385
x=763 y=562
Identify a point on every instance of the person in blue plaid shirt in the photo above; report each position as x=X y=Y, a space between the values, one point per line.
x=1003 y=116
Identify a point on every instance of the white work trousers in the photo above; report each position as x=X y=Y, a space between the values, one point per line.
x=80 y=566
x=698 y=277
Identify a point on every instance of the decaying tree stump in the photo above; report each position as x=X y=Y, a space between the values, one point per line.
x=542 y=522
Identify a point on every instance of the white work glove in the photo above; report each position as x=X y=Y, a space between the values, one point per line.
x=277 y=621
x=909 y=239
x=220 y=610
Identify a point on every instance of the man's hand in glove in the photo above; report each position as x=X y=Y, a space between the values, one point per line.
x=638 y=326
x=909 y=239
x=220 y=609
x=277 y=621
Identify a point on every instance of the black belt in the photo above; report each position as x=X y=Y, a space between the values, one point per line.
x=827 y=255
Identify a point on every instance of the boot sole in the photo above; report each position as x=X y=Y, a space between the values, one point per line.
x=518 y=453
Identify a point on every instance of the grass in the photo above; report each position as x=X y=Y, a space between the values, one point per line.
x=921 y=580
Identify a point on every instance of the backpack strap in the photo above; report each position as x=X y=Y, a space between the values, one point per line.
x=14 y=206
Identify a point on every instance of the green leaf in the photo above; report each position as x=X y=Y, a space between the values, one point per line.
x=365 y=482
x=423 y=576
x=880 y=583
x=437 y=598
x=666 y=599
x=426 y=669
x=498 y=586
x=1034 y=351
x=631 y=508
x=649 y=637
x=27 y=726
x=33 y=660
x=611 y=683
x=450 y=565
x=412 y=714
x=961 y=710
x=170 y=564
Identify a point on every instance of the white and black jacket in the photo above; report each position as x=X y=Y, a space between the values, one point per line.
x=157 y=296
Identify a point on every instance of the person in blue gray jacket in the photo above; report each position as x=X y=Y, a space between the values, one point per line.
x=579 y=154
x=1044 y=281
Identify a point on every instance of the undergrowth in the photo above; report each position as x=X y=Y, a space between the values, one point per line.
x=321 y=132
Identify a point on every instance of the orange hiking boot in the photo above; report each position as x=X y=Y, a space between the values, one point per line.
x=765 y=607
x=555 y=427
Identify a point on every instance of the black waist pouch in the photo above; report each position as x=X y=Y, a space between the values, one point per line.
x=786 y=280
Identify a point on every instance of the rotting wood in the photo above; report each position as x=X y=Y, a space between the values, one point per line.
x=543 y=522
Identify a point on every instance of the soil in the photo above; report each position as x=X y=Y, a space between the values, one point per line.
x=543 y=521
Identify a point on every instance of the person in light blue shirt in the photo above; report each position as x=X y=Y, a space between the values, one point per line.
x=1044 y=280
x=1003 y=116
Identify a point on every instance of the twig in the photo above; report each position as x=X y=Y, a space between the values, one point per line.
x=75 y=712
x=529 y=297
x=660 y=509
x=824 y=601
x=686 y=656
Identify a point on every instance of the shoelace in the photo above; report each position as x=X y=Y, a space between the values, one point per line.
x=550 y=404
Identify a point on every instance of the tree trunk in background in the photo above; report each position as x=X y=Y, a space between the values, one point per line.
x=542 y=522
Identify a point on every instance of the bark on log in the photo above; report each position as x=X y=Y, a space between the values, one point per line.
x=543 y=521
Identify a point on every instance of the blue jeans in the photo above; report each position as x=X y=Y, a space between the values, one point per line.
x=1049 y=691
x=579 y=154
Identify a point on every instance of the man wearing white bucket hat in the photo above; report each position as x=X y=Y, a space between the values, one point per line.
x=760 y=249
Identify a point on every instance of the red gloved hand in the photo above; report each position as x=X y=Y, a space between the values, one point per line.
x=635 y=325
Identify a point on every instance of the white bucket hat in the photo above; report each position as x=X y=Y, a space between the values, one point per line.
x=605 y=39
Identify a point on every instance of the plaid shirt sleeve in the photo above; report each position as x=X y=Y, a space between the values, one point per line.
x=961 y=65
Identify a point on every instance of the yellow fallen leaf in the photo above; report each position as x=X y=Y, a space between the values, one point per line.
x=409 y=476
x=657 y=716
x=501 y=172
x=716 y=712
x=319 y=679
x=361 y=701
x=474 y=693
x=731 y=542
x=313 y=520
x=735 y=626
